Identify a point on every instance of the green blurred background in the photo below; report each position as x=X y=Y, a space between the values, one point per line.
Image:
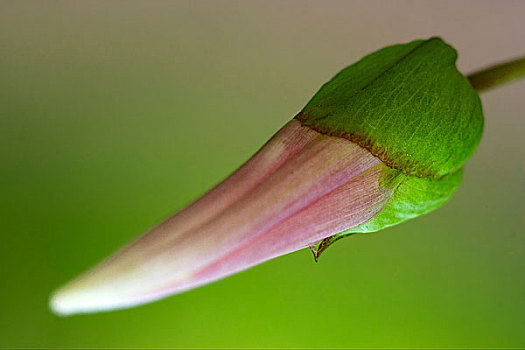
x=113 y=115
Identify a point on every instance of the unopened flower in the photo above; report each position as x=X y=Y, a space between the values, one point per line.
x=382 y=142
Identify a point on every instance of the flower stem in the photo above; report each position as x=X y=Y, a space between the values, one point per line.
x=493 y=76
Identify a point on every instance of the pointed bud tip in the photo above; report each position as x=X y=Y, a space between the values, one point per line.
x=65 y=303
x=69 y=300
x=61 y=304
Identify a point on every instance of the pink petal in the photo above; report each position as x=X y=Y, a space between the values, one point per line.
x=301 y=187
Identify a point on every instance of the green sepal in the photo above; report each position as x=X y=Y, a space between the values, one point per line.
x=411 y=197
x=407 y=104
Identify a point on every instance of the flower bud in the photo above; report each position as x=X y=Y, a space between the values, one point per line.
x=382 y=142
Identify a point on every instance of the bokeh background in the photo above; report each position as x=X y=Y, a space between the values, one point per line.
x=115 y=114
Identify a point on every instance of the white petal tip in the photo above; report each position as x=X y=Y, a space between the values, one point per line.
x=66 y=302
x=59 y=304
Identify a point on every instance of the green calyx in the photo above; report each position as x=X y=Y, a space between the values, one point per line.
x=408 y=104
x=411 y=197
x=410 y=107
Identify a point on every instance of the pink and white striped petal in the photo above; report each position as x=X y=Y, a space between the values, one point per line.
x=301 y=187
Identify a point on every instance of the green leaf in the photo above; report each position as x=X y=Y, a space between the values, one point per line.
x=407 y=104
